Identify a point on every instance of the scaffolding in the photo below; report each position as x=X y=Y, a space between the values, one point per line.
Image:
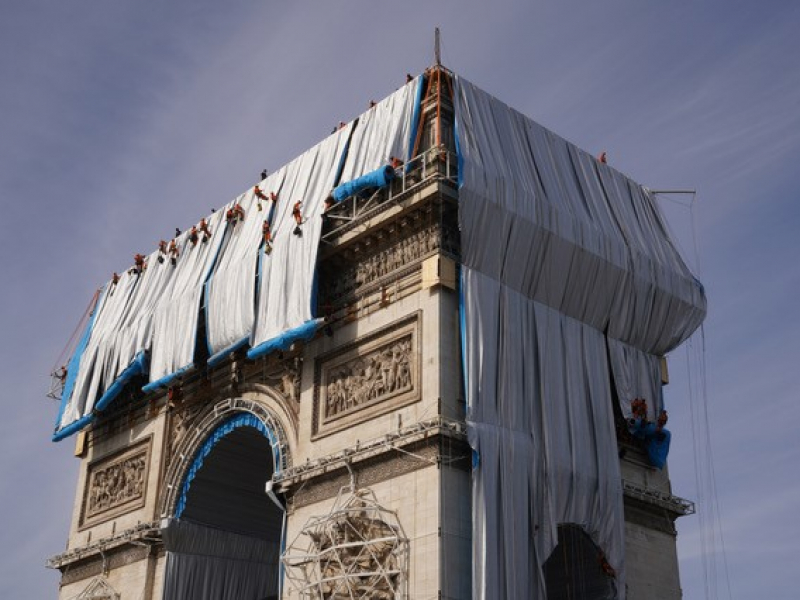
x=434 y=164
x=358 y=551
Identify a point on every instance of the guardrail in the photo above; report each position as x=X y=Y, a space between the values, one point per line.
x=434 y=164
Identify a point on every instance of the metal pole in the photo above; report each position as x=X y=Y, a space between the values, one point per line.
x=436 y=48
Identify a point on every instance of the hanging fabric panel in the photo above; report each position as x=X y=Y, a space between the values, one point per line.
x=541 y=421
x=135 y=332
x=93 y=364
x=175 y=317
x=205 y=563
x=596 y=239
x=636 y=375
x=156 y=311
x=382 y=132
x=557 y=249
x=287 y=275
x=231 y=291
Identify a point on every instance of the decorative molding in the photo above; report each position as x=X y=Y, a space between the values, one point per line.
x=379 y=262
x=368 y=377
x=97 y=564
x=389 y=465
x=116 y=484
x=254 y=403
x=647 y=516
x=98 y=589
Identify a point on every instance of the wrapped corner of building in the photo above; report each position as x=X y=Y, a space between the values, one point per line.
x=570 y=284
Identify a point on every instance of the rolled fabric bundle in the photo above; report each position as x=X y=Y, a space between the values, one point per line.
x=378 y=178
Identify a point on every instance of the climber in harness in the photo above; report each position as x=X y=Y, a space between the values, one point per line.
x=655 y=436
x=298 y=218
x=267 y=233
x=114 y=278
x=162 y=251
x=193 y=237
x=260 y=195
x=205 y=230
x=235 y=214
x=174 y=253
x=139 y=266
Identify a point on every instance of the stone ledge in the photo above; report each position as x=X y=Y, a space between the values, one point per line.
x=145 y=534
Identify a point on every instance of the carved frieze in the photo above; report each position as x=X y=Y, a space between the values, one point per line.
x=383 y=263
x=116 y=484
x=369 y=377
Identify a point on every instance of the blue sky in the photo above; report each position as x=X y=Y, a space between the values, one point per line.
x=121 y=120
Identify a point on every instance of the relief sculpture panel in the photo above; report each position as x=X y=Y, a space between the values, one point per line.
x=116 y=484
x=368 y=377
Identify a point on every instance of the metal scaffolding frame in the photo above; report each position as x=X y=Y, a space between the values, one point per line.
x=358 y=551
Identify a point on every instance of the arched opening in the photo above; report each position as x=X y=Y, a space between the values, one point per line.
x=225 y=540
x=577 y=569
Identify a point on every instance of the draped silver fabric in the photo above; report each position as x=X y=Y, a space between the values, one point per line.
x=157 y=310
x=175 y=315
x=231 y=291
x=287 y=274
x=636 y=374
x=541 y=421
x=163 y=298
x=382 y=132
x=559 y=251
x=204 y=563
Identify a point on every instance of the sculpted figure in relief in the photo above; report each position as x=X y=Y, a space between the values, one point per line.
x=385 y=371
x=116 y=484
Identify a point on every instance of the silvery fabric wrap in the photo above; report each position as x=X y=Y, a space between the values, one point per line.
x=559 y=254
x=231 y=291
x=176 y=313
x=635 y=374
x=382 y=132
x=285 y=290
x=164 y=299
x=108 y=313
x=204 y=563
x=157 y=311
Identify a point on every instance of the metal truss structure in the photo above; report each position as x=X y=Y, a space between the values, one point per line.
x=358 y=551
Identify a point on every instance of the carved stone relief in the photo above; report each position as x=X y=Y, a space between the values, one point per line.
x=116 y=484
x=284 y=377
x=379 y=374
x=368 y=377
x=372 y=268
x=181 y=418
